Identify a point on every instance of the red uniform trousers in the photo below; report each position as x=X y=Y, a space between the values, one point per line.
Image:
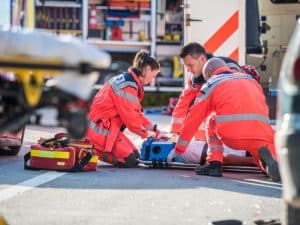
x=110 y=144
x=215 y=145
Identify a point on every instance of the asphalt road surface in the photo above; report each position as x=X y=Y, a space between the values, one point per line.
x=112 y=196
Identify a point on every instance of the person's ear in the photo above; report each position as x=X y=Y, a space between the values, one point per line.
x=210 y=72
x=146 y=69
x=202 y=58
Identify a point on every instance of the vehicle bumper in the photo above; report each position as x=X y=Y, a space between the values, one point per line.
x=288 y=150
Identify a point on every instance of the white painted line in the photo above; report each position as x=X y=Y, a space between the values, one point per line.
x=259 y=183
x=29 y=184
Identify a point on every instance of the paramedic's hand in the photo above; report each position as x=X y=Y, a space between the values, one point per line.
x=172 y=155
x=151 y=134
x=173 y=137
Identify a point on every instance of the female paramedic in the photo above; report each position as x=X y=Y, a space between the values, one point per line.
x=117 y=106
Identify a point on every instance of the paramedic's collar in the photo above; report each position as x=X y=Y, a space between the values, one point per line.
x=135 y=76
x=225 y=76
x=139 y=83
x=198 y=80
x=223 y=70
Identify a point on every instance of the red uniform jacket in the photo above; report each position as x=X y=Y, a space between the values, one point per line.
x=116 y=105
x=181 y=109
x=239 y=105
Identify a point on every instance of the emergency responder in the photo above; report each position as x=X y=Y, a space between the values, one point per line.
x=241 y=120
x=194 y=57
x=116 y=106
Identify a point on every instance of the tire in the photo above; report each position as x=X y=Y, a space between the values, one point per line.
x=13 y=150
x=10 y=150
x=291 y=214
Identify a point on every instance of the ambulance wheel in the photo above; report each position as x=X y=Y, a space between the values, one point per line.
x=10 y=150
x=291 y=214
x=13 y=149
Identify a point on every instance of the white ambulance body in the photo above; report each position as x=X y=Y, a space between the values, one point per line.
x=221 y=26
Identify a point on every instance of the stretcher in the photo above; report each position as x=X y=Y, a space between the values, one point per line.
x=38 y=70
x=154 y=155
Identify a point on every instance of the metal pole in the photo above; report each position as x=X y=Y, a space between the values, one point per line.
x=85 y=13
x=153 y=28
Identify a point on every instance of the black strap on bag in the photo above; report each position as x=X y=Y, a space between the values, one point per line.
x=85 y=160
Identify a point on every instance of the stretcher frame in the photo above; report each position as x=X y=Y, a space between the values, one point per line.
x=191 y=166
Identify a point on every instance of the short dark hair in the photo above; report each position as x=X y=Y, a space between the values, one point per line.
x=193 y=49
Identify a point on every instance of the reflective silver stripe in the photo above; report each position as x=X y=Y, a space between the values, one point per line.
x=215 y=81
x=128 y=96
x=215 y=148
x=237 y=117
x=177 y=120
x=213 y=138
x=182 y=142
x=97 y=129
x=127 y=83
x=117 y=89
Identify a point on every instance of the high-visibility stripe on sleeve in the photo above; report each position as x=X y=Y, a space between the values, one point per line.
x=182 y=142
x=97 y=129
x=213 y=139
x=238 y=117
x=177 y=119
x=215 y=148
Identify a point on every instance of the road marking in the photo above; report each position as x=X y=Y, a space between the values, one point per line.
x=261 y=183
x=29 y=184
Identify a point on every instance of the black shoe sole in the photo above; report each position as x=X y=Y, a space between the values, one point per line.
x=272 y=168
x=212 y=173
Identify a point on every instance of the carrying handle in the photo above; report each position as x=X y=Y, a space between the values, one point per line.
x=56 y=142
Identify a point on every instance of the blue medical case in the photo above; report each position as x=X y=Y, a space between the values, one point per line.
x=156 y=151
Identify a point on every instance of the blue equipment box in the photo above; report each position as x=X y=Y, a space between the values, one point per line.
x=156 y=151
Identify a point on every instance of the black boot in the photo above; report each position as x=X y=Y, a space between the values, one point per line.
x=269 y=164
x=213 y=168
x=130 y=161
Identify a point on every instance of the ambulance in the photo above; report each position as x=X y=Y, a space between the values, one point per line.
x=248 y=31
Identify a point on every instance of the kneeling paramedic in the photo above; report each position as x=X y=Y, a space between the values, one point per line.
x=117 y=106
x=194 y=56
x=241 y=120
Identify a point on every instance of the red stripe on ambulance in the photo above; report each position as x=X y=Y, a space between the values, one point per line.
x=222 y=34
